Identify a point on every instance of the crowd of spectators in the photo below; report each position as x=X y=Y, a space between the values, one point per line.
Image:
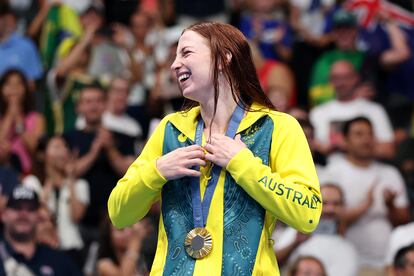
x=84 y=82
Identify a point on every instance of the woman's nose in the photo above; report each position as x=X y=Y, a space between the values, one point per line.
x=176 y=64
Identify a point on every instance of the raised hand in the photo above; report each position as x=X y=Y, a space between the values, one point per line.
x=179 y=162
x=221 y=149
x=122 y=36
x=141 y=229
x=70 y=168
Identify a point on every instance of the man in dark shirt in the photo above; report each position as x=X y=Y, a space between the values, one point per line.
x=104 y=156
x=20 y=254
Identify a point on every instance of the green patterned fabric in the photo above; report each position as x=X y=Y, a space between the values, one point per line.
x=243 y=216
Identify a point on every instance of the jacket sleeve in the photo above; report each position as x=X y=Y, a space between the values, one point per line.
x=141 y=185
x=288 y=188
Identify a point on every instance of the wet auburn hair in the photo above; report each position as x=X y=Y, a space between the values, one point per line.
x=224 y=39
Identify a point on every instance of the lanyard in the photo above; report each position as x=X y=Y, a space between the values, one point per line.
x=200 y=209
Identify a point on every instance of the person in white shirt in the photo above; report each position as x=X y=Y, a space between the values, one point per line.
x=65 y=195
x=375 y=195
x=328 y=118
x=326 y=243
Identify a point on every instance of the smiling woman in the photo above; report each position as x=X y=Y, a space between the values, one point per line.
x=20 y=126
x=215 y=166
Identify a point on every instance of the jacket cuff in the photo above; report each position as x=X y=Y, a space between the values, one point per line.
x=152 y=177
x=240 y=164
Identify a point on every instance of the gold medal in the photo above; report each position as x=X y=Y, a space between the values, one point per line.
x=198 y=243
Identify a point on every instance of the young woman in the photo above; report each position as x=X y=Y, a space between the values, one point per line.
x=255 y=166
x=120 y=250
x=20 y=126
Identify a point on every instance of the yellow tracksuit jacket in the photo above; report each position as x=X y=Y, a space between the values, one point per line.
x=274 y=178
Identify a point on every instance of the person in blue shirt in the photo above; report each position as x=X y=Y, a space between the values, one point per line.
x=16 y=51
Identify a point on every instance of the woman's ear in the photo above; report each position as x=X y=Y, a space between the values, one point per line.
x=228 y=59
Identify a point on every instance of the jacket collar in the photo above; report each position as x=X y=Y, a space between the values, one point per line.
x=186 y=122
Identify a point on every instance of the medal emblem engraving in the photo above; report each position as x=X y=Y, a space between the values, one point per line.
x=198 y=243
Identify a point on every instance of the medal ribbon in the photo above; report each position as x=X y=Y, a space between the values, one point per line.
x=200 y=209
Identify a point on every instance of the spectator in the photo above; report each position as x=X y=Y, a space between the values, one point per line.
x=66 y=196
x=405 y=161
x=103 y=157
x=188 y=13
x=20 y=253
x=374 y=193
x=140 y=62
x=271 y=34
x=276 y=79
x=16 y=51
x=55 y=23
x=328 y=118
x=24 y=11
x=318 y=158
x=404 y=261
x=65 y=80
x=120 y=251
x=348 y=47
x=105 y=60
x=166 y=96
x=401 y=236
x=307 y=266
x=115 y=118
x=311 y=22
x=326 y=243
x=20 y=126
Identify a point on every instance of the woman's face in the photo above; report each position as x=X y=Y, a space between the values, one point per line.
x=13 y=88
x=193 y=68
x=57 y=152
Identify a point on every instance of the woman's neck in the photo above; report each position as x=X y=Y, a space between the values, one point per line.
x=225 y=107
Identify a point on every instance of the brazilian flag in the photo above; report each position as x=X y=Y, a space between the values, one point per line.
x=61 y=23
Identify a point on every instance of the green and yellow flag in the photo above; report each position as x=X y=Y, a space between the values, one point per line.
x=61 y=23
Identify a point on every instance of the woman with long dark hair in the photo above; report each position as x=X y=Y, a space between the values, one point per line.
x=225 y=169
x=20 y=126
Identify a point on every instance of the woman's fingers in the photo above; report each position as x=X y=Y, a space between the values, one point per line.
x=209 y=148
x=197 y=153
x=190 y=172
x=210 y=157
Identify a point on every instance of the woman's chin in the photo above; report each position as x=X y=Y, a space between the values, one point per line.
x=189 y=95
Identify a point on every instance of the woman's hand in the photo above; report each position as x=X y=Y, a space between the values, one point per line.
x=179 y=162
x=222 y=149
x=70 y=168
x=142 y=229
